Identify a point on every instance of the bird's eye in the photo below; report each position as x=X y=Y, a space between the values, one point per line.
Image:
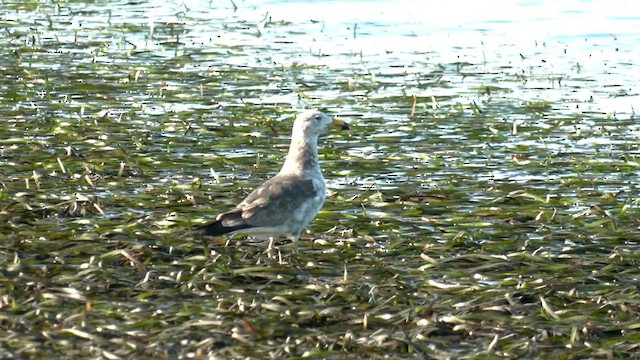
x=317 y=117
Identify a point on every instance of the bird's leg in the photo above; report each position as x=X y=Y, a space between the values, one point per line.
x=280 y=257
x=270 y=248
x=295 y=246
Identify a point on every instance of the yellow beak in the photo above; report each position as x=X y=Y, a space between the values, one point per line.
x=340 y=124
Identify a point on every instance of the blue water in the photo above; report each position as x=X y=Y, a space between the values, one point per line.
x=572 y=41
x=590 y=48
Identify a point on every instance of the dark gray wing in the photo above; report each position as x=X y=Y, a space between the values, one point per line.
x=272 y=203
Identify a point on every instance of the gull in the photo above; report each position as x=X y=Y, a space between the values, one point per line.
x=286 y=203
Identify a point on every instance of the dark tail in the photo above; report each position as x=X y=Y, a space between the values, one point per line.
x=216 y=228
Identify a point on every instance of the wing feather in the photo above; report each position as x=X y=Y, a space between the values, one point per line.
x=274 y=202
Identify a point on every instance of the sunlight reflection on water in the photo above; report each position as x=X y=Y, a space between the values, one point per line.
x=549 y=38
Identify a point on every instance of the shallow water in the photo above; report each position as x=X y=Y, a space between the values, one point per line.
x=493 y=164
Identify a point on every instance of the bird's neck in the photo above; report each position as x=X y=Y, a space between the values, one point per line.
x=302 y=156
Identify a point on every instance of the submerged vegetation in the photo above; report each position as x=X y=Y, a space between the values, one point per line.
x=482 y=208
